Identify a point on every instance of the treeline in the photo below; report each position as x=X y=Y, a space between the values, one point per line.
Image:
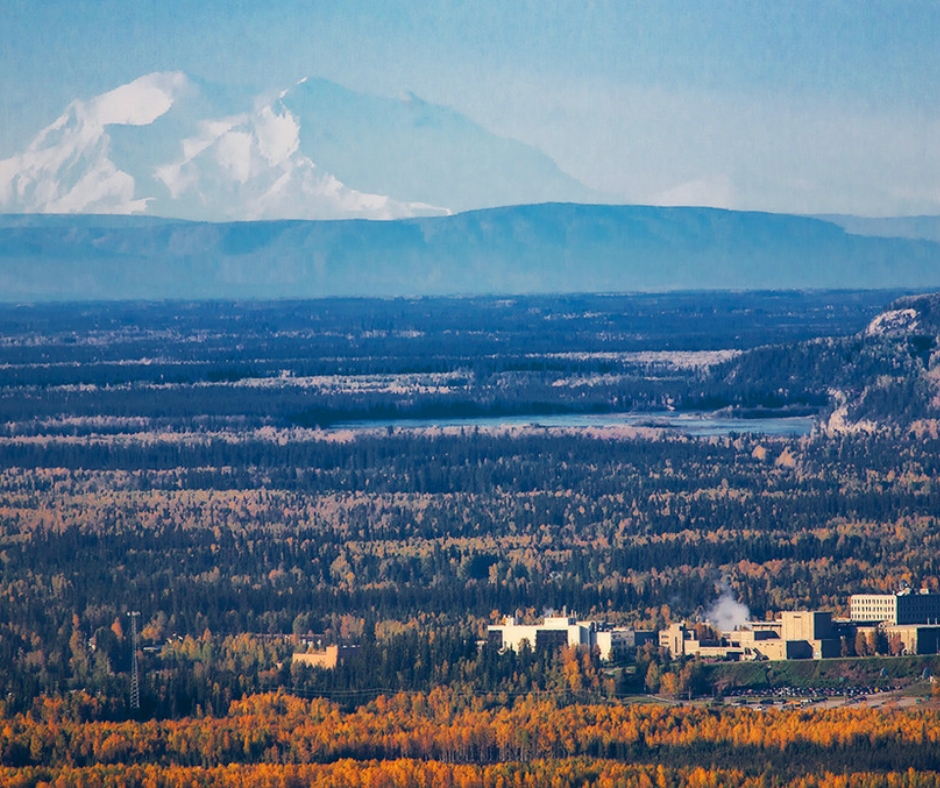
x=700 y=746
x=310 y=363
x=194 y=675
x=359 y=328
x=191 y=405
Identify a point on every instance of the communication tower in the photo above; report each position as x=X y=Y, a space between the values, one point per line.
x=135 y=673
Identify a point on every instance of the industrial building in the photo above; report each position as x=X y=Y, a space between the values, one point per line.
x=911 y=620
x=794 y=635
x=908 y=618
x=916 y=638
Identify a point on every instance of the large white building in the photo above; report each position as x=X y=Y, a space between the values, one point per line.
x=556 y=631
x=904 y=607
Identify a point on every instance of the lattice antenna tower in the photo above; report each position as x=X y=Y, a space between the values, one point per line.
x=135 y=671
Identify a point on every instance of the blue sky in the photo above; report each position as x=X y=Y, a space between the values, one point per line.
x=792 y=106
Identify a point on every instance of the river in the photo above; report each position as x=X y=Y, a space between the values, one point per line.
x=688 y=423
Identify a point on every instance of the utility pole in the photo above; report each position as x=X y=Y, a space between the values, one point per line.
x=135 y=673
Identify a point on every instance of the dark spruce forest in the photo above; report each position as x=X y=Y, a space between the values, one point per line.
x=257 y=479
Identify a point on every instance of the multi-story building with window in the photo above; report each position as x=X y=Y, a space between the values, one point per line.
x=904 y=607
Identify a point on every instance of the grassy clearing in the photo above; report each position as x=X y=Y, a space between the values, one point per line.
x=821 y=674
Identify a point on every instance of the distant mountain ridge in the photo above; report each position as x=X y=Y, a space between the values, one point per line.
x=545 y=248
x=166 y=144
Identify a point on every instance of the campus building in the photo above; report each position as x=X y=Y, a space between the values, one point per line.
x=910 y=619
x=902 y=608
x=916 y=639
x=564 y=630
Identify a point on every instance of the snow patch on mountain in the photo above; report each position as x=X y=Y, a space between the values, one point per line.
x=138 y=103
x=715 y=192
x=278 y=135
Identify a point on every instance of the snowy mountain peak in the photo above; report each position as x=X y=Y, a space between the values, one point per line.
x=251 y=167
x=168 y=145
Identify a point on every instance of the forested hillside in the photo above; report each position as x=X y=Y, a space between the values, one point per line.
x=213 y=468
x=440 y=739
x=886 y=375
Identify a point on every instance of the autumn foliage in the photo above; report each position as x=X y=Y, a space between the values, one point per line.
x=442 y=739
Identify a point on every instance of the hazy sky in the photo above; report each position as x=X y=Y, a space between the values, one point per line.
x=784 y=106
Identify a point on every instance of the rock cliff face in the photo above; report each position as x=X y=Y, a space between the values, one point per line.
x=912 y=315
x=894 y=322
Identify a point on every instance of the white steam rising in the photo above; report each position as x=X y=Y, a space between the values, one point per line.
x=727 y=613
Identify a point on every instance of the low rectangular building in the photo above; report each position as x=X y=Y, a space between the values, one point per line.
x=327 y=658
x=797 y=634
x=916 y=639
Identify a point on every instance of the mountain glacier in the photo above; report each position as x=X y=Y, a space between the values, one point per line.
x=169 y=145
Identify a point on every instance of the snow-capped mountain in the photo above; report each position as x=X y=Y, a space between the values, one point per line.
x=246 y=165
x=168 y=145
